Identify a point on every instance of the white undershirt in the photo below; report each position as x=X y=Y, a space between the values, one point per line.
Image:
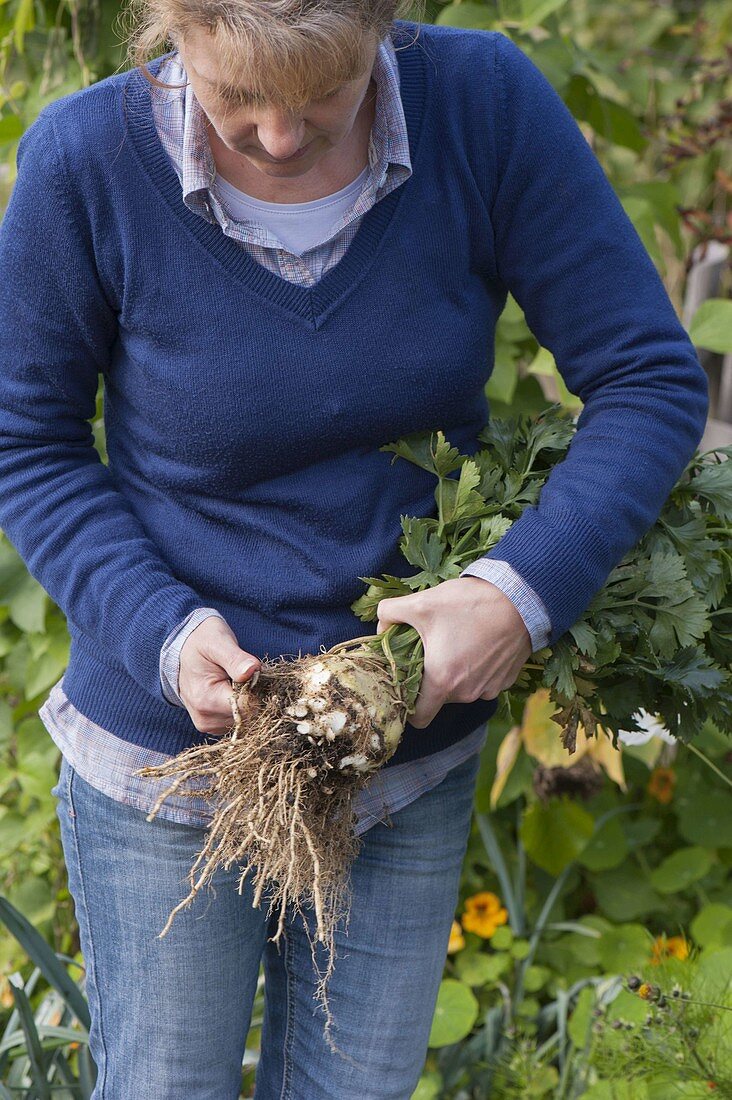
x=298 y=225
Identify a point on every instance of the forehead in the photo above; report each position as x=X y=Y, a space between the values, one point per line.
x=258 y=73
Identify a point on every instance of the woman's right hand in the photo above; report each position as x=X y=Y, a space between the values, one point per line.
x=209 y=660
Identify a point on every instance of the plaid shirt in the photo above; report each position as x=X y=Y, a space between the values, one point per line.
x=98 y=755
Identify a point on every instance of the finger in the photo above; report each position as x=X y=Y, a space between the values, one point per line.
x=398 y=609
x=429 y=702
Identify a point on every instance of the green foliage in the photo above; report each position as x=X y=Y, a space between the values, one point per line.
x=632 y=74
x=455 y=1013
x=660 y=629
x=47 y=1046
x=552 y=983
x=711 y=326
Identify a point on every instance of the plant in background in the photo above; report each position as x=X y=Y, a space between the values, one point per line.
x=677 y=1035
x=597 y=891
x=49 y=1047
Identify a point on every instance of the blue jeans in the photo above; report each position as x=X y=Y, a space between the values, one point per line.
x=170 y=1016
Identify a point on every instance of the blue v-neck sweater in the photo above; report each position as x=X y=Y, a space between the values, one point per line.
x=243 y=432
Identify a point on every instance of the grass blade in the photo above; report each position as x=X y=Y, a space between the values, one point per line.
x=45 y=957
x=33 y=1043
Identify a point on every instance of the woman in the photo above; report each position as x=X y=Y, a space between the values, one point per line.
x=297 y=255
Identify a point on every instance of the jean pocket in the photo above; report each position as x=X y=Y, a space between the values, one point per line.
x=58 y=790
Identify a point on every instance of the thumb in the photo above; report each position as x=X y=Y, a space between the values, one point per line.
x=237 y=663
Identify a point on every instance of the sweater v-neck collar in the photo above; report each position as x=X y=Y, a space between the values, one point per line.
x=312 y=304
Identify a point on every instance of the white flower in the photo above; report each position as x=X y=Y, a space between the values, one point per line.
x=652 y=726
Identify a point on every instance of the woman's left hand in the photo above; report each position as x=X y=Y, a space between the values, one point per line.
x=475 y=641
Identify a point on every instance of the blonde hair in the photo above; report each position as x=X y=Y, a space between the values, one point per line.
x=291 y=51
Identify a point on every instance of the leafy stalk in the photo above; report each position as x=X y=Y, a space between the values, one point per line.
x=658 y=632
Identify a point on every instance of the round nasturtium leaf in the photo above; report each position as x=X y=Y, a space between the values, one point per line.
x=502 y=938
x=555 y=833
x=681 y=869
x=626 y=947
x=429 y=1087
x=455 y=1013
x=606 y=848
x=712 y=926
x=477 y=968
x=710 y=827
x=535 y=977
x=622 y=894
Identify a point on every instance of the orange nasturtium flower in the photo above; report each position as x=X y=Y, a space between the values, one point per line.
x=661 y=784
x=457 y=940
x=674 y=947
x=483 y=914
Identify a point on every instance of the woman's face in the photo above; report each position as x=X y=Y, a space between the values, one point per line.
x=271 y=138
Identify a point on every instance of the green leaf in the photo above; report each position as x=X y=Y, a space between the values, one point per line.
x=421 y=545
x=714 y=483
x=559 y=669
x=52 y=1038
x=429 y=450
x=25 y=21
x=468 y=14
x=11 y=128
x=585 y=638
x=681 y=869
x=707 y=823
x=544 y=365
x=502 y=938
x=610 y=119
x=536 y=977
x=662 y=199
x=626 y=947
x=365 y=606
x=680 y=615
x=693 y=670
x=606 y=848
x=622 y=894
x=712 y=925
x=27 y=606
x=429 y=1087
x=38 y=1059
x=555 y=833
x=17 y=828
x=45 y=958
x=581 y=1020
x=501 y=385
x=492 y=528
x=455 y=1013
x=457 y=498
x=534 y=12
x=477 y=968
x=711 y=325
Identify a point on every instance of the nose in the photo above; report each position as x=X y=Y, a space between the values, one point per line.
x=280 y=133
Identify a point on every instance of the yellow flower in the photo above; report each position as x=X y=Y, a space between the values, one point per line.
x=661 y=784
x=483 y=914
x=457 y=940
x=674 y=947
x=644 y=991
